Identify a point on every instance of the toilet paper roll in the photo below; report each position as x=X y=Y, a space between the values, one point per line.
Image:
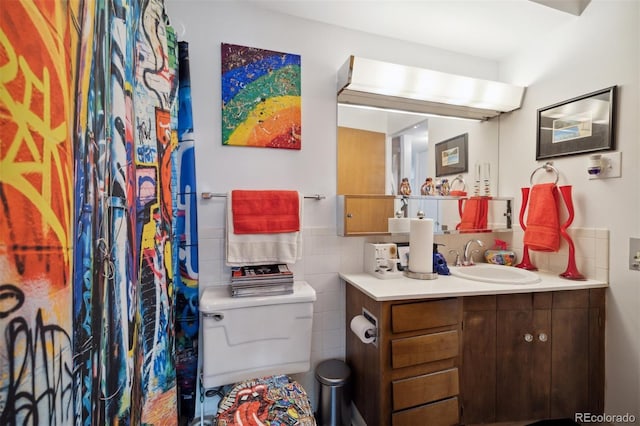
x=364 y=329
x=399 y=225
x=421 y=246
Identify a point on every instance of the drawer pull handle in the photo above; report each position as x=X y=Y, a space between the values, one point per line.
x=528 y=337
x=543 y=337
x=215 y=315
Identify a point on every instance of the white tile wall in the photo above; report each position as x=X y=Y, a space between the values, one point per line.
x=591 y=251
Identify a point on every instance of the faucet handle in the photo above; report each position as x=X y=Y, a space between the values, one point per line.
x=457 y=261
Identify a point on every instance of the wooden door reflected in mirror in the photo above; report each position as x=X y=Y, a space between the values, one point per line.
x=361 y=161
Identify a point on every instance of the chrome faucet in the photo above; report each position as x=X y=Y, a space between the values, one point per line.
x=467 y=256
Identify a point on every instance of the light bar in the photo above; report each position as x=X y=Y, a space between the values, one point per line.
x=386 y=85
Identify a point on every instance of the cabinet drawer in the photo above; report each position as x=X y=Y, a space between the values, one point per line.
x=422 y=349
x=423 y=315
x=423 y=389
x=441 y=413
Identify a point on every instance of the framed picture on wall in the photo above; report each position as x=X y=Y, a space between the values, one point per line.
x=576 y=126
x=452 y=155
x=261 y=97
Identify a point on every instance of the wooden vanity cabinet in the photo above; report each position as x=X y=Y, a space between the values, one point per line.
x=479 y=359
x=532 y=355
x=411 y=375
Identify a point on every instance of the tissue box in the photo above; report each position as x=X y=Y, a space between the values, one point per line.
x=500 y=257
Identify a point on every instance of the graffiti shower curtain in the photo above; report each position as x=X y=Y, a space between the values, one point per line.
x=186 y=285
x=87 y=191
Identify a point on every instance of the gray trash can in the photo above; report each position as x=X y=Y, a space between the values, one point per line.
x=334 y=407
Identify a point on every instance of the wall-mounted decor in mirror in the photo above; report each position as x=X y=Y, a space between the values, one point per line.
x=577 y=126
x=452 y=155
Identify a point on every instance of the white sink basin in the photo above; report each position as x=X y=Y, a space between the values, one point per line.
x=490 y=273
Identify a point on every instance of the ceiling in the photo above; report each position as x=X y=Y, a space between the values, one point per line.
x=490 y=29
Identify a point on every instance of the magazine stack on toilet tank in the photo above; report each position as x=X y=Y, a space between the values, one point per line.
x=261 y=280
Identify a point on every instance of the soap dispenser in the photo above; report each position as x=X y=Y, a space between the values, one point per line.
x=439 y=262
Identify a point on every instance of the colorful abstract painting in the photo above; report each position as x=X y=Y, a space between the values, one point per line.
x=261 y=99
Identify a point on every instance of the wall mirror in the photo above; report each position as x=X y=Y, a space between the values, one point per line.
x=378 y=148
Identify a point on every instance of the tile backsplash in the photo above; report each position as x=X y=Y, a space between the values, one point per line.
x=591 y=251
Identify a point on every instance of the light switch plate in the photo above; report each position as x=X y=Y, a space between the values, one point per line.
x=634 y=254
x=611 y=166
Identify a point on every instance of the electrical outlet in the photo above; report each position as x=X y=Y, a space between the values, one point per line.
x=611 y=166
x=634 y=254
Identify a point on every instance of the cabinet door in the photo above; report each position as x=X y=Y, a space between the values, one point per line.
x=367 y=214
x=478 y=375
x=523 y=370
x=548 y=357
x=570 y=355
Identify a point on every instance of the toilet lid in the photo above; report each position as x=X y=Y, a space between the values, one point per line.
x=218 y=298
x=276 y=400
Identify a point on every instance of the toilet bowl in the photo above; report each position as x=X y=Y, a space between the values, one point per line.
x=255 y=342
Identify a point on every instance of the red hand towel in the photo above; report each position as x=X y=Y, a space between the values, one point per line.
x=543 y=224
x=474 y=214
x=265 y=212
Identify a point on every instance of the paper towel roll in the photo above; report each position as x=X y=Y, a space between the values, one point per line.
x=364 y=329
x=421 y=246
x=399 y=225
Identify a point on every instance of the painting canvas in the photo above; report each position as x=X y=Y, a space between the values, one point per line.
x=261 y=102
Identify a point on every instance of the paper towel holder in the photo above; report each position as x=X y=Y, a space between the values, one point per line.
x=373 y=320
x=421 y=275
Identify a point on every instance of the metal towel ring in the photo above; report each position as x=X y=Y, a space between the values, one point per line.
x=458 y=179
x=548 y=167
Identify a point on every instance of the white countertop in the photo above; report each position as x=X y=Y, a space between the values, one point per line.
x=451 y=286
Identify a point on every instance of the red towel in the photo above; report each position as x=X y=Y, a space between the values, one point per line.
x=265 y=212
x=473 y=215
x=543 y=224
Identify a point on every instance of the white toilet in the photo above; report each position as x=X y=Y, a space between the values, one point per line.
x=249 y=337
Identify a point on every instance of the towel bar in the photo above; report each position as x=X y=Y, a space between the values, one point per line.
x=209 y=195
x=548 y=167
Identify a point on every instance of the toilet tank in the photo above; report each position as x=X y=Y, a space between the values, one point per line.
x=250 y=337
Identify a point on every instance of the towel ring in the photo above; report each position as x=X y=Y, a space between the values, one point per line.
x=458 y=179
x=548 y=167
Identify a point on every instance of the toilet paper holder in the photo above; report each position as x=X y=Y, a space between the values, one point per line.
x=373 y=320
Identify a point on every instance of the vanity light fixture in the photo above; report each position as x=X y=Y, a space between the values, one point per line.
x=391 y=86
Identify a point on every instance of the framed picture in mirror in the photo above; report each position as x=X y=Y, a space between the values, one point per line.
x=576 y=126
x=452 y=155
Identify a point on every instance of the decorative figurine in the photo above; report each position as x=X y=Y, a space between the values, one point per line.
x=444 y=187
x=427 y=187
x=405 y=187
